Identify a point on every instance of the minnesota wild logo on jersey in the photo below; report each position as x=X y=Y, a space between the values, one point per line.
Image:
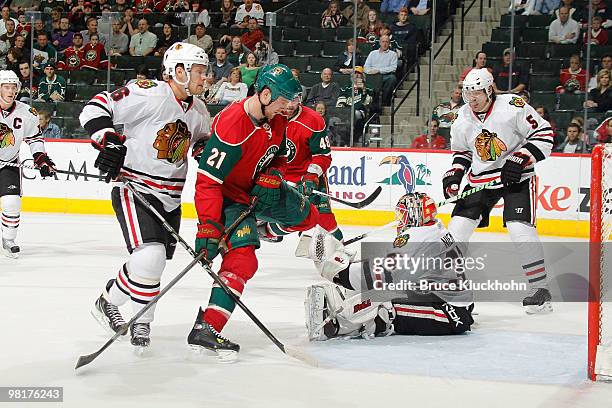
x=265 y=159
x=291 y=150
x=488 y=146
x=7 y=139
x=172 y=142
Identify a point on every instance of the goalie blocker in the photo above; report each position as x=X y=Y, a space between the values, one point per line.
x=333 y=311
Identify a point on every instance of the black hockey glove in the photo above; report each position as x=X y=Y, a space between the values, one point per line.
x=197 y=149
x=44 y=164
x=451 y=182
x=512 y=170
x=111 y=156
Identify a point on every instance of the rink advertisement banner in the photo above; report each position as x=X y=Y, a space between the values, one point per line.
x=563 y=183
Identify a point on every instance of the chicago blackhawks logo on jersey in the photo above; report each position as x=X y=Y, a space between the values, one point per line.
x=489 y=146
x=172 y=142
x=7 y=139
x=145 y=83
x=517 y=101
x=265 y=159
x=292 y=150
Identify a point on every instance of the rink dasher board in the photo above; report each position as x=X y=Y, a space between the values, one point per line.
x=562 y=196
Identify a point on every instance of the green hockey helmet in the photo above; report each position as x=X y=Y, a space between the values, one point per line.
x=279 y=79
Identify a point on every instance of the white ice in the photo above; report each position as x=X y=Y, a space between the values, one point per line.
x=508 y=360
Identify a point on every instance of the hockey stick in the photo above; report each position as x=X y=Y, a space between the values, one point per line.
x=291 y=351
x=72 y=173
x=440 y=204
x=360 y=204
x=86 y=359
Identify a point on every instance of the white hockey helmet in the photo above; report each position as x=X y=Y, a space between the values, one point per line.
x=9 y=77
x=475 y=80
x=185 y=54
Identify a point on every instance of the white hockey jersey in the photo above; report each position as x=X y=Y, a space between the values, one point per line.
x=19 y=124
x=159 y=130
x=481 y=143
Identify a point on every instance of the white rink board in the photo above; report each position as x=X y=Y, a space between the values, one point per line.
x=563 y=181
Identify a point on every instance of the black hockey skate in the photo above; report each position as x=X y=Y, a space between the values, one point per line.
x=204 y=336
x=107 y=314
x=141 y=339
x=538 y=301
x=11 y=249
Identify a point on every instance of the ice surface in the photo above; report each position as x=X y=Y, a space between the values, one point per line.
x=508 y=360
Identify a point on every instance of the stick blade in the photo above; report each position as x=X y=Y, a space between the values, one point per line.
x=300 y=354
x=369 y=199
x=84 y=360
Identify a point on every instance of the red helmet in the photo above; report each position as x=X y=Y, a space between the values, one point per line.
x=414 y=210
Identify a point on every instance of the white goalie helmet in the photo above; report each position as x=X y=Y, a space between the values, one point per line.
x=185 y=54
x=475 y=80
x=9 y=77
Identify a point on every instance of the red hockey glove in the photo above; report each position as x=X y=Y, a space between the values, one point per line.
x=309 y=182
x=451 y=182
x=267 y=189
x=512 y=170
x=111 y=156
x=208 y=238
x=44 y=164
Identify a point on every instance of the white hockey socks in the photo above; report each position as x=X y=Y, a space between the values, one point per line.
x=11 y=214
x=530 y=251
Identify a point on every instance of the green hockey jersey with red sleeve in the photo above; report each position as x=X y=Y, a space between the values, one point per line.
x=239 y=148
x=308 y=145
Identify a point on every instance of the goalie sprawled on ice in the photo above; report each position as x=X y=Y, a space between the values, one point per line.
x=364 y=299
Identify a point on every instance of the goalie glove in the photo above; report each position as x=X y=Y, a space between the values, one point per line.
x=512 y=170
x=451 y=182
x=44 y=164
x=330 y=256
x=112 y=154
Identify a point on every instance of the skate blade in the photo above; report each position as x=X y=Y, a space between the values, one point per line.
x=11 y=255
x=101 y=319
x=222 y=356
x=544 y=308
x=141 y=351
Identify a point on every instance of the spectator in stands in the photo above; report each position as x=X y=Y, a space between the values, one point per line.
x=220 y=66
x=431 y=139
x=479 y=61
x=326 y=91
x=249 y=69
x=572 y=143
x=5 y=14
x=599 y=36
x=13 y=56
x=362 y=13
x=118 y=43
x=247 y=11
x=605 y=63
x=142 y=73
x=543 y=112
x=446 y=112
x=200 y=38
x=564 y=30
x=180 y=6
x=105 y=21
x=27 y=92
x=203 y=16
x=62 y=38
x=262 y=49
x=232 y=90
x=344 y=62
x=501 y=75
x=383 y=61
x=95 y=54
x=394 y=45
x=228 y=13
x=43 y=51
x=4 y=48
x=39 y=27
x=20 y=44
x=603 y=133
x=144 y=42
x=419 y=7
x=573 y=78
x=119 y=6
x=392 y=6
x=236 y=52
x=600 y=8
x=46 y=6
x=10 y=34
x=332 y=17
x=522 y=7
x=403 y=30
x=73 y=55
x=80 y=23
x=600 y=98
x=52 y=87
x=92 y=28
x=359 y=96
x=572 y=9
x=167 y=38
x=146 y=6
x=370 y=31
x=53 y=24
x=48 y=130
x=296 y=74
x=127 y=26
x=253 y=35
x=24 y=27
x=545 y=6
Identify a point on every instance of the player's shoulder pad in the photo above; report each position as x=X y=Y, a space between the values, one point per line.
x=310 y=119
x=24 y=108
x=149 y=88
x=232 y=126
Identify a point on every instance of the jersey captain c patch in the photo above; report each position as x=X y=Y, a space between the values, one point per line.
x=172 y=142
x=488 y=146
x=7 y=139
